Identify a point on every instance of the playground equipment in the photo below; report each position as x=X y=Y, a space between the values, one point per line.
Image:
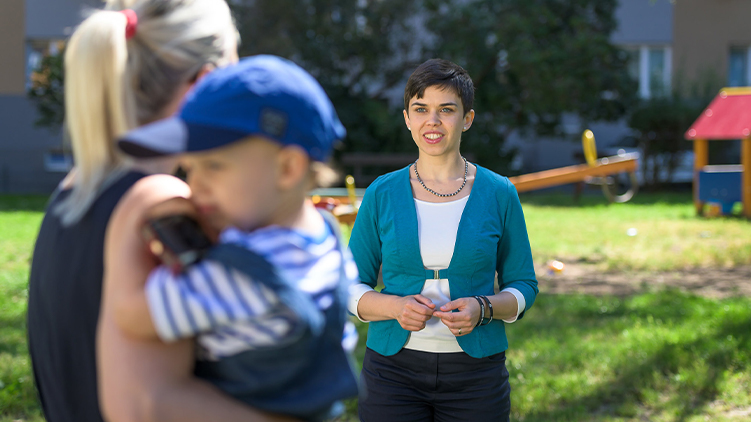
x=343 y=203
x=727 y=117
x=596 y=171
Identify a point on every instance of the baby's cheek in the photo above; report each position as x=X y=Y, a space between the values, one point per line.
x=219 y=222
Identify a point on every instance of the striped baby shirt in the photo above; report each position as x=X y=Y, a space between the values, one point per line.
x=229 y=313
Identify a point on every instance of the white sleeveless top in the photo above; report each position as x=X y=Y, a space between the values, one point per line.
x=437 y=224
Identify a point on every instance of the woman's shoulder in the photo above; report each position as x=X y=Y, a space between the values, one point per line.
x=145 y=193
x=389 y=179
x=154 y=188
x=495 y=189
x=496 y=182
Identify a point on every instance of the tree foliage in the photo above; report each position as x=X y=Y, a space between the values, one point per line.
x=47 y=92
x=359 y=51
x=531 y=61
x=660 y=124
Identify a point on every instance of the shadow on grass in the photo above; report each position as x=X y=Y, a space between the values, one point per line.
x=13 y=334
x=685 y=371
x=23 y=202
x=626 y=387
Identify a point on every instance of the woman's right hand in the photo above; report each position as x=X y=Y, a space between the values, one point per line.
x=414 y=311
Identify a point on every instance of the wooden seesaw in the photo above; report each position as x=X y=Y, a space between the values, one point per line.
x=595 y=171
x=343 y=203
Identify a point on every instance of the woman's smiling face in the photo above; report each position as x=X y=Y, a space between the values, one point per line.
x=437 y=121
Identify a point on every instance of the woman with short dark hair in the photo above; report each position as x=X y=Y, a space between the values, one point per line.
x=441 y=230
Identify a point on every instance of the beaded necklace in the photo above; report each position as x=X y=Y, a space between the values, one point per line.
x=444 y=195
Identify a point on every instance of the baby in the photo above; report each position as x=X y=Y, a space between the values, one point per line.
x=266 y=303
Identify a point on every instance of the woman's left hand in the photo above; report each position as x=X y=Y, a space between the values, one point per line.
x=462 y=322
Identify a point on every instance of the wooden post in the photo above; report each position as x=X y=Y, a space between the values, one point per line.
x=12 y=50
x=746 y=176
x=701 y=159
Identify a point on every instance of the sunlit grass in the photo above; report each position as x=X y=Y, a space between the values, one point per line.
x=668 y=235
x=19 y=222
x=658 y=356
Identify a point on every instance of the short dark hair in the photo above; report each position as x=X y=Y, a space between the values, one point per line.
x=443 y=74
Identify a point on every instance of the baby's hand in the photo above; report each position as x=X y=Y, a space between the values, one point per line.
x=182 y=206
x=174 y=234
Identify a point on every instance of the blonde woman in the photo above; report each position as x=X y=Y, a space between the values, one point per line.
x=125 y=66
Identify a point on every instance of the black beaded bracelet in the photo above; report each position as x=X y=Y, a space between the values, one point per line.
x=482 y=311
x=490 y=310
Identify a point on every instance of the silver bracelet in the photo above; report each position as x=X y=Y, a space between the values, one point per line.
x=490 y=310
x=482 y=311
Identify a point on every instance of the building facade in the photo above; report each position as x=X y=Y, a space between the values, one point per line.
x=712 y=43
x=694 y=46
x=645 y=32
x=31 y=159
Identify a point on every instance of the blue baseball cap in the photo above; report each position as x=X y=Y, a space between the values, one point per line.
x=260 y=95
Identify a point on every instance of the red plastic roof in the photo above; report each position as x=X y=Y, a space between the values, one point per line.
x=728 y=116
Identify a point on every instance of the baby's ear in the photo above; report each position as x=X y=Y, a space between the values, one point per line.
x=294 y=166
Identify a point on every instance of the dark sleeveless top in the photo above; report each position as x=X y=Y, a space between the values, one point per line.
x=65 y=288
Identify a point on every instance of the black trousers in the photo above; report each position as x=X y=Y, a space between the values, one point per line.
x=413 y=386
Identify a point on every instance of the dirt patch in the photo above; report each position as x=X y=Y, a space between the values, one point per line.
x=588 y=279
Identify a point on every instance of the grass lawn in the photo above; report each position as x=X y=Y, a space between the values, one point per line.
x=660 y=355
x=19 y=221
x=663 y=356
x=668 y=234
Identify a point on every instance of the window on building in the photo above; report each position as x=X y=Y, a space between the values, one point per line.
x=633 y=63
x=738 y=66
x=56 y=160
x=651 y=66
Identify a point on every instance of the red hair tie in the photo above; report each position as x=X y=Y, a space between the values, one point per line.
x=130 y=27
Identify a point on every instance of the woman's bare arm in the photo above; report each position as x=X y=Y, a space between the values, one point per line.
x=144 y=380
x=130 y=306
x=412 y=312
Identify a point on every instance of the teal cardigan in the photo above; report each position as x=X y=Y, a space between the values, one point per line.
x=492 y=237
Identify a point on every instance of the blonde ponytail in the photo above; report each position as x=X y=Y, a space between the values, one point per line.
x=98 y=107
x=113 y=85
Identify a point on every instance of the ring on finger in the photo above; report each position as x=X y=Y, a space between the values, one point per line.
x=460 y=331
